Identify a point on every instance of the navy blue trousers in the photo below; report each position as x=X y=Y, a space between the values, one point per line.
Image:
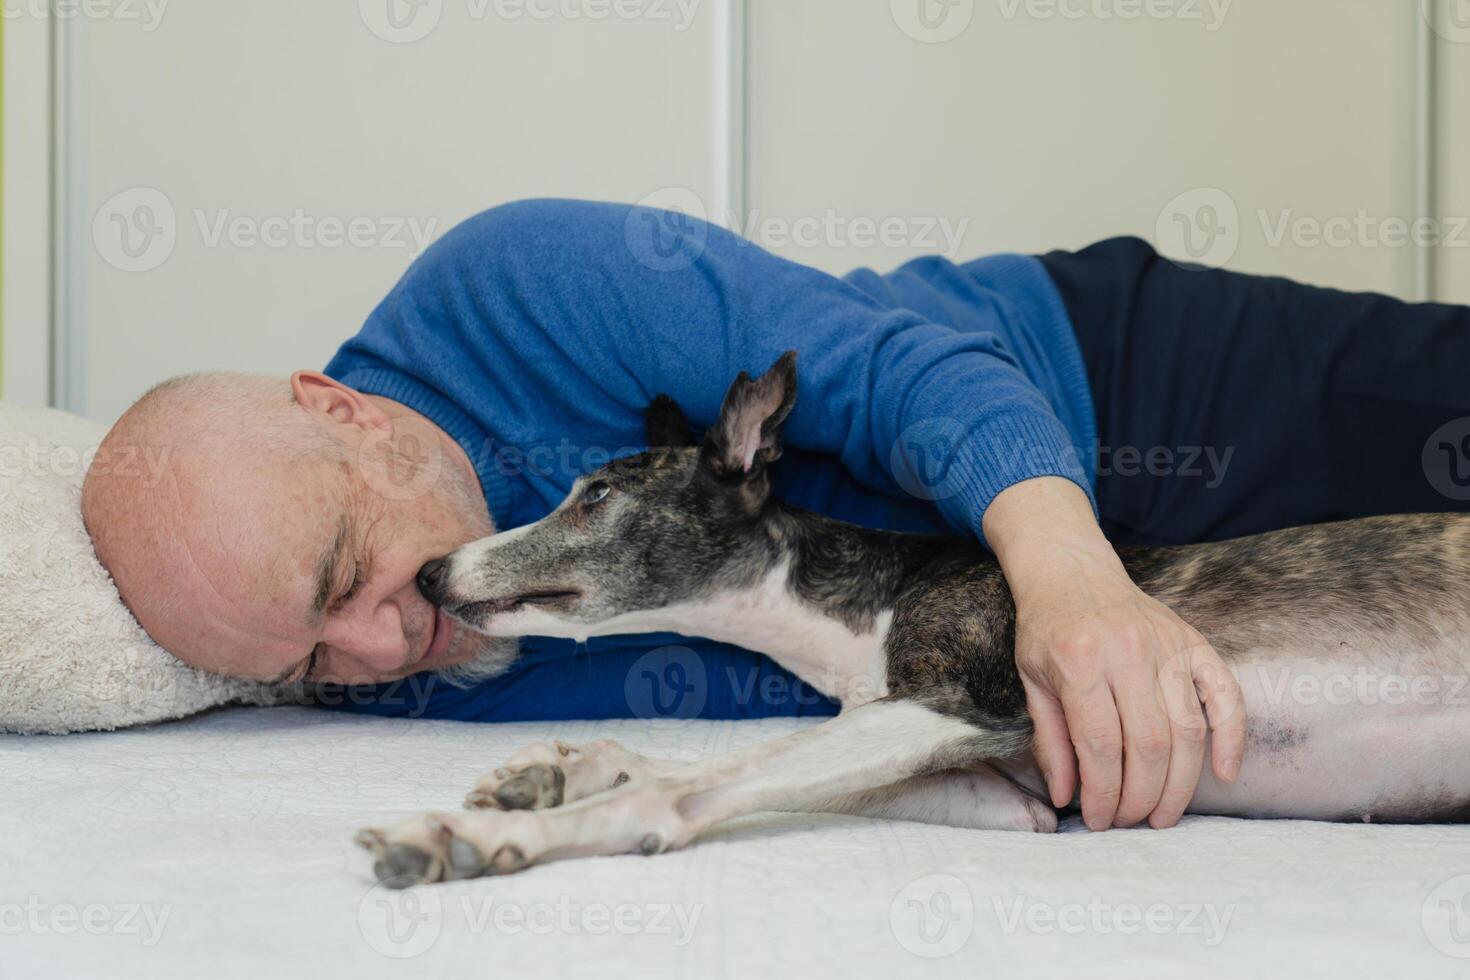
x=1229 y=404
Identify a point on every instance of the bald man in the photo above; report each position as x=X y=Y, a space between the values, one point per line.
x=1051 y=406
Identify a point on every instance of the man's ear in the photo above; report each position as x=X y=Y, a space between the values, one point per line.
x=747 y=435
x=316 y=392
x=665 y=424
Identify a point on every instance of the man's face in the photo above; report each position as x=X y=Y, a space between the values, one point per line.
x=303 y=570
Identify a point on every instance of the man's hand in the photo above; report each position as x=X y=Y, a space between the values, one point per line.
x=1114 y=679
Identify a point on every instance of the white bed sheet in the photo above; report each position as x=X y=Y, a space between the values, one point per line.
x=220 y=847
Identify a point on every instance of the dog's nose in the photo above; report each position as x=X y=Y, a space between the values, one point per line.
x=431 y=579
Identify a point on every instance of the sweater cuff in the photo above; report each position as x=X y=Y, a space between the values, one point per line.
x=993 y=456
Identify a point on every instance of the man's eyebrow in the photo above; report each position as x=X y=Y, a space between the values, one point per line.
x=326 y=576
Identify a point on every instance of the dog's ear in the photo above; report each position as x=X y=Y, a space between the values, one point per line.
x=665 y=424
x=747 y=435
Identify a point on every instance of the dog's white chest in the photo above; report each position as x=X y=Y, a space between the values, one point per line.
x=837 y=661
x=834 y=659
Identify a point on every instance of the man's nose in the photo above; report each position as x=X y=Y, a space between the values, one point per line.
x=432 y=578
x=371 y=635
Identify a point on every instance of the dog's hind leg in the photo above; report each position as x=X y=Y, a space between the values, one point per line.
x=551 y=774
x=862 y=749
x=976 y=797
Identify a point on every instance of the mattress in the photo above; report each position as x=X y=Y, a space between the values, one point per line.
x=221 y=847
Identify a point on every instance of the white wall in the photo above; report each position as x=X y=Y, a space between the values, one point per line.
x=1454 y=150
x=1050 y=131
x=259 y=109
x=26 y=311
x=1027 y=130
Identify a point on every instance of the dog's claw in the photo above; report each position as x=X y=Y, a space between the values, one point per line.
x=479 y=800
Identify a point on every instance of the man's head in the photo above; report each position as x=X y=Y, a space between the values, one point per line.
x=279 y=526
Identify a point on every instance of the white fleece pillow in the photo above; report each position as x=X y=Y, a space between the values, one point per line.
x=72 y=658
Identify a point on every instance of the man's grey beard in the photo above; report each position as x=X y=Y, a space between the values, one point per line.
x=495 y=657
x=497 y=653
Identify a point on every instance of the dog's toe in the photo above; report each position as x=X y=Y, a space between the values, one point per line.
x=403 y=865
x=535 y=787
x=465 y=859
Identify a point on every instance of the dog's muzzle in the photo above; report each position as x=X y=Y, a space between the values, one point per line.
x=432 y=579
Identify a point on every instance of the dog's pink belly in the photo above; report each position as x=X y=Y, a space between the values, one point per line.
x=1372 y=741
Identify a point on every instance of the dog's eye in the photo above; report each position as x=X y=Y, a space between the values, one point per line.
x=595 y=493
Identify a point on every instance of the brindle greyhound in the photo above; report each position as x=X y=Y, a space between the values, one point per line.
x=1351 y=642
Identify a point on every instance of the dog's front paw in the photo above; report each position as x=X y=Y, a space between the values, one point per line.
x=549 y=774
x=451 y=847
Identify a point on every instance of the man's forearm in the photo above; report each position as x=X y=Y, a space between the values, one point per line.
x=1038 y=527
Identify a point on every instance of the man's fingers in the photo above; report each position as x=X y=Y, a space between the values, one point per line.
x=1146 y=744
x=1097 y=737
x=1187 y=732
x=1219 y=691
x=1053 y=745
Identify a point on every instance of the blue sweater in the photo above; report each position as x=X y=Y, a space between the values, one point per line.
x=536 y=333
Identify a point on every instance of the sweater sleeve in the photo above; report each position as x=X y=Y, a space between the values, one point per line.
x=580 y=313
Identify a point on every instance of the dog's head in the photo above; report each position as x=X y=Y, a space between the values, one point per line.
x=670 y=525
